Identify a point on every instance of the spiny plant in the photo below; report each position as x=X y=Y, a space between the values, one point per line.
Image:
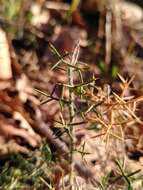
x=83 y=102
x=116 y=182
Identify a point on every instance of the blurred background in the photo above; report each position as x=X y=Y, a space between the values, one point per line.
x=110 y=36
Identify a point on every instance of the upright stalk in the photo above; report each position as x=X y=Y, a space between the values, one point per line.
x=73 y=61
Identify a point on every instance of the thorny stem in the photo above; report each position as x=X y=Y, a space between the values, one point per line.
x=73 y=61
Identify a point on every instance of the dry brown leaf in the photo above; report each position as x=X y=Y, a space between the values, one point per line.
x=10 y=131
x=12 y=147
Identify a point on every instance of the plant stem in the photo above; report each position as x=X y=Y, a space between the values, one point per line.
x=73 y=61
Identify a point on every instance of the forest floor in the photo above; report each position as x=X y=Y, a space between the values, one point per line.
x=71 y=95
